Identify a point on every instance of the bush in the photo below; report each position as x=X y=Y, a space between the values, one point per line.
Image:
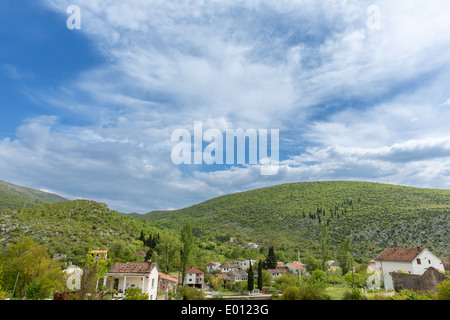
x=355 y=294
x=409 y=295
x=309 y=290
x=443 y=292
x=135 y=294
x=190 y=293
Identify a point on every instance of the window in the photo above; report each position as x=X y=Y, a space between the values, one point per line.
x=418 y=261
x=429 y=261
x=153 y=283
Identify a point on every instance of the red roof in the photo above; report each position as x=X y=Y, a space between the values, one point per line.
x=194 y=270
x=167 y=277
x=399 y=254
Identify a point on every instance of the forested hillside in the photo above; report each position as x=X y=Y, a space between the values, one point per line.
x=72 y=227
x=374 y=215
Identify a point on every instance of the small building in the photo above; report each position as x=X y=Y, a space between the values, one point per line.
x=195 y=277
x=99 y=254
x=123 y=276
x=333 y=265
x=295 y=266
x=411 y=260
x=166 y=283
x=226 y=267
x=277 y=272
x=212 y=266
x=237 y=276
x=244 y=264
x=251 y=245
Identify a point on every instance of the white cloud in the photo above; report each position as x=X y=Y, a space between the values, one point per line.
x=351 y=103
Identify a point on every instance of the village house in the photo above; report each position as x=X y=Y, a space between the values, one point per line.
x=277 y=272
x=99 y=254
x=333 y=265
x=226 y=267
x=166 y=283
x=237 y=276
x=244 y=264
x=123 y=276
x=412 y=260
x=195 y=277
x=294 y=267
x=212 y=266
x=251 y=245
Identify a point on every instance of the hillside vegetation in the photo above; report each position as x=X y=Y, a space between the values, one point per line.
x=374 y=215
x=72 y=227
x=14 y=197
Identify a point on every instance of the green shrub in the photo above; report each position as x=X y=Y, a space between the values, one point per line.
x=354 y=294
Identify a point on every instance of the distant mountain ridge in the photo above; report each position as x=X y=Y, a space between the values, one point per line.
x=13 y=196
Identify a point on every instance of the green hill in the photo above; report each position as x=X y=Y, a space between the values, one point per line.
x=14 y=197
x=374 y=215
x=73 y=227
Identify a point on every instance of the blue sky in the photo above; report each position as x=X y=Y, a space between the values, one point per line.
x=89 y=113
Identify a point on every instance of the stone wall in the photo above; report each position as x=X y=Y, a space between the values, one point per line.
x=425 y=282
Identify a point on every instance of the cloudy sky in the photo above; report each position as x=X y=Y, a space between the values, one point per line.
x=359 y=90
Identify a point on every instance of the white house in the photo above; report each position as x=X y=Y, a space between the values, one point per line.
x=123 y=276
x=244 y=264
x=212 y=266
x=226 y=267
x=237 y=276
x=412 y=260
x=277 y=272
x=194 y=277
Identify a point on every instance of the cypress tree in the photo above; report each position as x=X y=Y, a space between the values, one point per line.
x=271 y=260
x=250 y=279
x=260 y=280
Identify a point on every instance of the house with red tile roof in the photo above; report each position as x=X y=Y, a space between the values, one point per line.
x=195 y=277
x=123 y=276
x=166 y=283
x=412 y=260
x=295 y=266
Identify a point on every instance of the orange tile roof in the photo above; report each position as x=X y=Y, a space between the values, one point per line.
x=167 y=277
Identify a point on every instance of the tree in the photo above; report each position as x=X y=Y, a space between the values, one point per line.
x=187 y=245
x=27 y=265
x=271 y=260
x=93 y=270
x=324 y=245
x=142 y=237
x=343 y=256
x=167 y=252
x=250 y=278
x=260 y=275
